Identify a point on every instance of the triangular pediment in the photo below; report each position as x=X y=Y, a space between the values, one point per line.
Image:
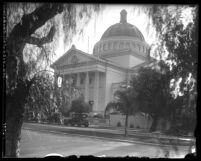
x=73 y=56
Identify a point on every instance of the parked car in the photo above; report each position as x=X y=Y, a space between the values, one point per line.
x=77 y=120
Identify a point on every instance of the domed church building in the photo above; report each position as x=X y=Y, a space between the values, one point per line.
x=117 y=56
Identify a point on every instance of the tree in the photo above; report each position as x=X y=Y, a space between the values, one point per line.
x=154 y=94
x=17 y=76
x=176 y=46
x=68 y=92
x=180 y=42
x=17 y=88
x=79 y=106
x=41 y=97
x=127 y=103
x=111 y=106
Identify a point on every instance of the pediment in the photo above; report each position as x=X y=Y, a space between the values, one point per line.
x=73 y=57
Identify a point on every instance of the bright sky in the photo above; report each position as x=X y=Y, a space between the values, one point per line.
x=99 y=23
x=109 y=16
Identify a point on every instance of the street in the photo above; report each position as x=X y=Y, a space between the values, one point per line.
x=38 y=143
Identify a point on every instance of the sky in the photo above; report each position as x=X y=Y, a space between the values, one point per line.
x=110 y=15
x=99 y=23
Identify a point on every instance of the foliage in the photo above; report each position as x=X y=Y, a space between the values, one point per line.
x=111 y=106
x=176 y=47
x=178 y=40
x=40 y=99
x=127 y=103
x=98 y=116
x=153 y=92
x=34 y=24
x=155 y=96
x=56 y=117
x=79 y=106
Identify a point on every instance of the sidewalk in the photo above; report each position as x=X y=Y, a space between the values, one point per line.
x=142 y=132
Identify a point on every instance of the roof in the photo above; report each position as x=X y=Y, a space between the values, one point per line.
x=95 y=58
x=123 y=29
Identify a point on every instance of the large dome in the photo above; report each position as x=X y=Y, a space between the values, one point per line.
x=123 y=29
x=121 y=36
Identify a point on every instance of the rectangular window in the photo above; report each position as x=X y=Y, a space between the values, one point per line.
x=90 y=80
x=82 y=81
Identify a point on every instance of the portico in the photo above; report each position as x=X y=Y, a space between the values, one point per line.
x=90 y=83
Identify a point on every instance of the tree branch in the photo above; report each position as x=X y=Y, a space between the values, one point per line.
x=40 y=41
x=31 y=22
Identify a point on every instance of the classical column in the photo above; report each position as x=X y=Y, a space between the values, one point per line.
x=86 y=96
x=106 y=89
x=78 y=80
x=96 y=91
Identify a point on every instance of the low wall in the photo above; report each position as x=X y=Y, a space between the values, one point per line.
x=138 y=121
x=98 y=121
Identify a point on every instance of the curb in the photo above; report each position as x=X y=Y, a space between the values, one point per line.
x=153 y=135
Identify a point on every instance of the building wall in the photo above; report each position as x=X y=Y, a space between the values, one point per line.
x=101 y=100
x=134 y=61
x=121 y=60
x=91 y=93
x=112 y=76
x=126 y=61
x=101 y=94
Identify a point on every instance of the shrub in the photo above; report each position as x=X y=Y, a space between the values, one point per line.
x=131 y=126
x=56 y=117
x=98 y=116
x=79 y=106
x=65 y=111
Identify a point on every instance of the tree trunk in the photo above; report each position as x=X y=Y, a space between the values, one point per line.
x=14 y=120
x=126 y=126
x=16 y=87
x=154 y=124
x=13 y=133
